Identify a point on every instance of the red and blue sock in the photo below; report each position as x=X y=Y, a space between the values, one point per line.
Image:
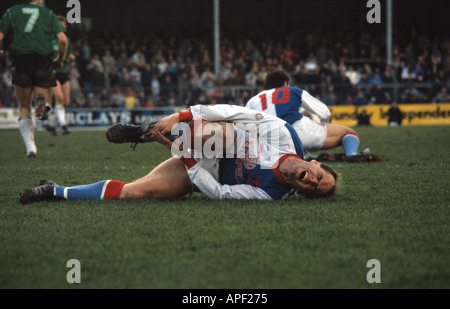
x=105 y=189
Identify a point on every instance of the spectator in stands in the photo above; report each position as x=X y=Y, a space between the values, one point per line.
x=208 y=86
x=388 y=76
x=80 y=100
x=162 y=65
x=376 y=78
x=443 y=96
x=98 y=80
x=395 y=115
x=104 y=98
x=330 y=98
x=188 y=98
x=97 y=63
x=155 y=97
x=136 y=79
x=413 y=95
x=364 y=118
x=360 y=99
x=311 y=63
x=146 y=76
x=252 y=76
x=207 y=76
x=121 y=61
x=109 y=62
x=202 y=99
x=353 y=75
x=329 y=56
x=138 y=59
x=378 y=93
x=168 y=86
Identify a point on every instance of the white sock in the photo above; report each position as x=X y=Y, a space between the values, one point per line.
x=26 y=128
x=61 y=113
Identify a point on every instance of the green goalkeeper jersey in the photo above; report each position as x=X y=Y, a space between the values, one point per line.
x=34 y=29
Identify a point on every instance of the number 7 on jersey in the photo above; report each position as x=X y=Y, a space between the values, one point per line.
x=34 y=15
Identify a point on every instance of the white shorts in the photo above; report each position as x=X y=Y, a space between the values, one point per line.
x=311 y=133
x=211 y=166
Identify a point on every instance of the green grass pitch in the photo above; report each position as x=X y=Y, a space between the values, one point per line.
x=396 y=212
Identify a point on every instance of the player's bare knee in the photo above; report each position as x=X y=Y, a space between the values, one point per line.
x=134 y=191
x=350 y=130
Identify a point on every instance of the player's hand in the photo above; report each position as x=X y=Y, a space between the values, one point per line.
x=176 y=147
x=59 y=63
x=160 y=138
x=165 y=125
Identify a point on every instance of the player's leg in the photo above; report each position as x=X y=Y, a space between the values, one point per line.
x=52 y=121
x=346 y=137
x=23 y=87
x=43 y=82
x=338 y=135
x=65 y=87
x=212 y=135
x=168 y=180
x=26 y=125
x=42 y=97
x=317 y=136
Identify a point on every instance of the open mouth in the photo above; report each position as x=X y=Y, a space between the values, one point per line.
x=303 y=175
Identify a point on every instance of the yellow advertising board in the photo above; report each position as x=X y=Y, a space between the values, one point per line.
x=413 y=114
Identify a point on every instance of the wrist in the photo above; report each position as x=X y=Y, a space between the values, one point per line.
x=185 y=116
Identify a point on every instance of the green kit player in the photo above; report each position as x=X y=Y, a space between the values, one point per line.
x=61 y=91
x=34 y=28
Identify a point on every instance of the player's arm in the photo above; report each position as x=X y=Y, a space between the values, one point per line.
x=62 y=49
x=315 y=106
x=216 y=113
x=206 y=183
x=1 y=44
x=4 y=28
x=225 y=112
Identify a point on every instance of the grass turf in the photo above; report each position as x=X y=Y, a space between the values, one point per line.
x=396 y=212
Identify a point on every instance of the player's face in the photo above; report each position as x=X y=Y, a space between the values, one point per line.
x=310 y=179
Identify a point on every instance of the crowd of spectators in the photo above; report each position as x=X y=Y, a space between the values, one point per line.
x=340 y=66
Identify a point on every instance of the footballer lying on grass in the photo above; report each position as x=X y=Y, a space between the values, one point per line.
x=265 y=162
